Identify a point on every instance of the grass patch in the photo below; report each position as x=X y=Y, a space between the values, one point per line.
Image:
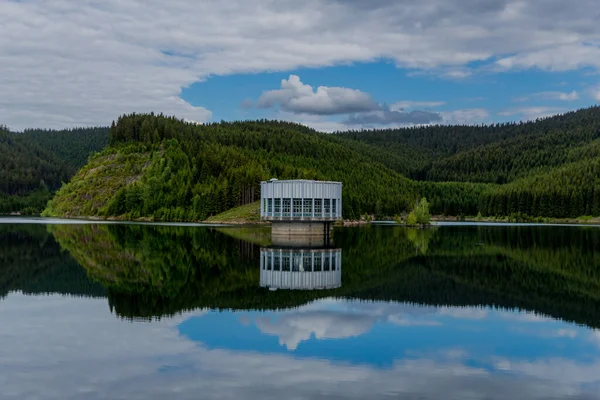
x=249 y=213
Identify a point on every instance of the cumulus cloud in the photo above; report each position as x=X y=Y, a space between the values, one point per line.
x=65 y=63
x=300 y=326
x=387 y=116
x=297 y=97
x=532 y=113
x=551 y=95
x=404 y=104
x=468 y=116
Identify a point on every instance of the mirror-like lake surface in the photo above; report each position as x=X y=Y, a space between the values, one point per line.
x=115 y=311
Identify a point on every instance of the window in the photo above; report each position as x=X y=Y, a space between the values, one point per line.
x=326 y=262
x=326 y=206
x=270 y=206
x=297 y=207
x=307 y=207
x=286 y=207
x=306 y=262
x=285 y=261
x=268 y=262
x=333 y=207
x=276 y=263
x=317 y=263
x=277 y=207
x=297 y=258
x=333 y=262
x=318 y=207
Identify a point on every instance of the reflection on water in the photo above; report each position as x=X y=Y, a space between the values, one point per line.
x=300 y=269
x=456 y=312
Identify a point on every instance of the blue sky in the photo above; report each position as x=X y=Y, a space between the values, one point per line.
x=484 y=97
x=342 y=63
x=380 y=334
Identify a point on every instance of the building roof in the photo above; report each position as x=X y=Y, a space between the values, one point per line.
x=298 y=180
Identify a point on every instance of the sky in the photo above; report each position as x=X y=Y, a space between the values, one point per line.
x=330 y=64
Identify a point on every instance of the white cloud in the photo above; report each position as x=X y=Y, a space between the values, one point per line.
x=300 y=326
x=469 y=116
x=551 y=95
x=297 y=97
x=531 y=113
x=65 y=62
x=404 y=104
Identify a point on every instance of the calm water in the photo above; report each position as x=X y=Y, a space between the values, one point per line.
x=113 y=311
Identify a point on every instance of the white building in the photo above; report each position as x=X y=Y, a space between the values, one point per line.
x=300 y=200
x=300 y=269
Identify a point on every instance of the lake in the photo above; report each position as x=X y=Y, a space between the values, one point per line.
x=141 y=311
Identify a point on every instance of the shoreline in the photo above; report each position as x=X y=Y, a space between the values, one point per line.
x=435 y=221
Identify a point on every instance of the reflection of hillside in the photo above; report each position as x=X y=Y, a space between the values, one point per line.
x=153 y=271
x=32 y=262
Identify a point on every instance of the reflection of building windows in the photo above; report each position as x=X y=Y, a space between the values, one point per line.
x=277 y=206
x=325 y=262
x=317 y=263
x=297 y=207
x=286 y=207
x=333 y=206
x=307 y=262
x=296 y=261
x=318 y=207
x=270 y=206
x=307 y=207
x=276 y=263
x=285 y=260
x=326 y=206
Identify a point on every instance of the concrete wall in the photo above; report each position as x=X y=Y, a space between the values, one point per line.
x=301 y=228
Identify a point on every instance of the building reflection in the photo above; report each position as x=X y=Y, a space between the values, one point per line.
x=300 y=268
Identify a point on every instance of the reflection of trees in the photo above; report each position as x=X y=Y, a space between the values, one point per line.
x=153 y=271
x=32 y=262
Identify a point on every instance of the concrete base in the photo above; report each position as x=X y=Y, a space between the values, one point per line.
x=301 y=228
x=294 y=234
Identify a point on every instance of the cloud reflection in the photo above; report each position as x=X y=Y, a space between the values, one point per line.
x=59 y=348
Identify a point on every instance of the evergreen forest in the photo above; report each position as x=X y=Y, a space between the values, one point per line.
x=157 y=167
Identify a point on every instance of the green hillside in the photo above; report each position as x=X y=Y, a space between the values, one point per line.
x=163 y=168
x=166 y=169
x=35 y=163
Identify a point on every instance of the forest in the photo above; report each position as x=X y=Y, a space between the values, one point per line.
x=157 y=167
x=35 y=163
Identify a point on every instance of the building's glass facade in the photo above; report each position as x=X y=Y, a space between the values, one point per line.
x=301 y=200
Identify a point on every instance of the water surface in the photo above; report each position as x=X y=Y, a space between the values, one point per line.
x=121 y=311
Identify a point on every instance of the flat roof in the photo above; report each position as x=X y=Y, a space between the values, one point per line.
x=299 y=180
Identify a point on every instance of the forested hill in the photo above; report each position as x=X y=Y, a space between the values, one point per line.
x=163 y=168
x=496 y=153
x=35 y=163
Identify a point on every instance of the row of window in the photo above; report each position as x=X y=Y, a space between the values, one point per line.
x=301 y=207
x=300 y=262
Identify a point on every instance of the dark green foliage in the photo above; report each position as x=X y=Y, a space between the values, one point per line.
x=197 y=171
x=154 y=271
x=32 y=262
x=572 y=190
x=35 y=163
